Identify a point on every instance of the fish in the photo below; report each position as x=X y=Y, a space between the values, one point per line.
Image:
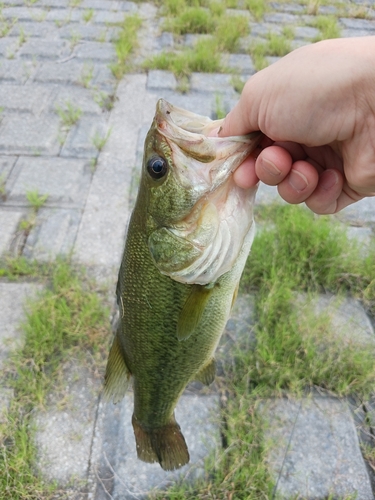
x=187 y=242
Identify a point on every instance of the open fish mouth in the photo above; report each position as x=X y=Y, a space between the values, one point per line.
x=201 y=160
x=209 y=239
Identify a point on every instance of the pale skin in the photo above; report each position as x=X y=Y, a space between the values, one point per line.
x=316 y=107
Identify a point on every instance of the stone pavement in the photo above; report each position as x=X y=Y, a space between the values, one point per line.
x=54 y=63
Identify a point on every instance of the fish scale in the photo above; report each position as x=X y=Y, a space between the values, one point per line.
x=169 y=329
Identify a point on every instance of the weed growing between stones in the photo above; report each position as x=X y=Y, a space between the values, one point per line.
x=68 y=320
x=328 y=27
x=69 y=114
x=125 y=44
x=257 y=8
x=276 y=45
x=202 y=58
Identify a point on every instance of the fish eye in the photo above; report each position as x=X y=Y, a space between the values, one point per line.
x=157 y=167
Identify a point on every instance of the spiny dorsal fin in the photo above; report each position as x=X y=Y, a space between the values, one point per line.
x=117 y=374
x=207 y=374
x=192 y=311
x=165 y=445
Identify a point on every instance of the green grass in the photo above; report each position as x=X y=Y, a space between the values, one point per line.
x=202 y=58
x=69 y=114
x=276 y=45
x=257 y=8
x=67 y=320
x=126 y=44
x=191 y=20
x=229 y=30
x=328 y=27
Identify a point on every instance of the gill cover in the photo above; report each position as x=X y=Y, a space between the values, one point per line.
x=206 y=242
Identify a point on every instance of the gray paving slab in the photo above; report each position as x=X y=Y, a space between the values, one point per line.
x=125 y=477
x=63 y=437
x=20 y=98
x=6 y=165
x=313 y=449
x=361 y=212
x=82 y=99
x=80 y=142
x=359 y=24
x=95 y=51
x=44 y=49
x=65 y=181
x=158 y=79
x=211 y=82
x=30 y=135
x=102 y=230
x=62 y=224
x=15 y=71
x=348 y=320
x=9 y=223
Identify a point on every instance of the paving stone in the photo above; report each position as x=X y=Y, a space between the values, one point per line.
x=192 y=39
x=350 y=33
x=20 y=98
x=60 y=16
x=348 y=321
x=165 y=40
x=104 y=17
x=327 y=10
x=133 y=479
x=62 y=224
x=159 y=79
x=28 y=134
x=281 y=18
x=263 y=29
x=70 y=72
x=9 y=223
x=314 y=450
x=266 y=195
x=55 y=3
x=15 y=71
x=79 y=97
x=33 y=29
x=6 y=165
x=66 y=181
x=362 y=211
x=81 y=137
x=63 y=438
x=95 y=51
x=211 y=82
x=13 y=300
x=241 y=63
x=98 y=242
x=84 y=32
x=287 y=7
x=359 y=24
x=43 y=49
x=8 y=47
x=23 y=13
x=306 y=32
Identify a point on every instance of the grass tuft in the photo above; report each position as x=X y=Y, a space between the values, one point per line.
x=328 y=27
x=67 y=320
x=126 y=44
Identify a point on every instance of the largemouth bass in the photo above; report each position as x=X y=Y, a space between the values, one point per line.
x=187 y=242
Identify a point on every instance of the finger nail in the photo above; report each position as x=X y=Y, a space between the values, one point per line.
x=269 y=167
x=328 y=180
x=297 y=180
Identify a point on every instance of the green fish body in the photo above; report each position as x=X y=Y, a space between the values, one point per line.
x=187 y=243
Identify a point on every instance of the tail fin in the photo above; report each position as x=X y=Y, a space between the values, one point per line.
x=165 y=445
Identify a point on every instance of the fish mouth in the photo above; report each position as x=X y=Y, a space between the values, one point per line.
x=200 y=160
x=220 y=222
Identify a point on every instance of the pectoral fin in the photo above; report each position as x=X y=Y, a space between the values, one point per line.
x=192 y=311
x=117 y=374
x=207 y=374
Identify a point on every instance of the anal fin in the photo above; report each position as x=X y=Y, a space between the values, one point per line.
x=207 y=374
x=192 y=311
x=165 y=445
x=117 y=374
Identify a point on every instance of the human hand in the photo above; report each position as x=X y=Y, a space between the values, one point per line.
x=316 y=107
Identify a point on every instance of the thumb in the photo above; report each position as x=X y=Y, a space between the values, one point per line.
x=243 y=118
